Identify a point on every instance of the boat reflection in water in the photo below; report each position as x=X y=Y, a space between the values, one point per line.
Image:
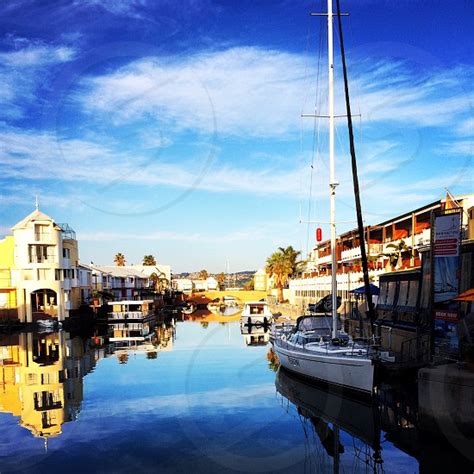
x=328 y=412
x=42 y=379
x=149 y=337
x=255 y=335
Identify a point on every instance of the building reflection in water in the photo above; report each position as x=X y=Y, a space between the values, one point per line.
x=41 y=378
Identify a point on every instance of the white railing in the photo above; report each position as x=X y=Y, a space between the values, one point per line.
x=129 y=314
x=325 y=259
x=42 y=236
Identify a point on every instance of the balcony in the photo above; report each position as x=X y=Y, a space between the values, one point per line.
x=129 y=315
x=42 y=236
x=325 y=259
x=355 y=253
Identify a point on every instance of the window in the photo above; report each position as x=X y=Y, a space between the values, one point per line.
x=40 y=253
x=42 y=273
x=66 y=253
x=413 y=294
x=403 y=293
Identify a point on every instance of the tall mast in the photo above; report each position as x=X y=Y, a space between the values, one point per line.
x=332 y=170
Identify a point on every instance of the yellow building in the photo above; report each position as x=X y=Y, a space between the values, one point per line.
x=8 y=296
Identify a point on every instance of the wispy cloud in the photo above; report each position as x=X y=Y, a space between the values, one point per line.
x=24 y=69
x=28 y=155
x=251 y=91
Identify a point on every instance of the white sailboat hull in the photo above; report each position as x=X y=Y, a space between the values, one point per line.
x=351 y=372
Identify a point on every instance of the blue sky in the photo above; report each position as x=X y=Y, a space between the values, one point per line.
x=174 y=129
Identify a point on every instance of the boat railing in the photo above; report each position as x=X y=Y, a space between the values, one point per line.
x=128 y=314
x=366 y=350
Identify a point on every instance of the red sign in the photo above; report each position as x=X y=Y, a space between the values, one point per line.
x=319 y=234
x=451 y=316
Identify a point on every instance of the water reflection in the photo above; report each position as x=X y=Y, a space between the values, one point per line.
x=41 y=379
x=255 y=335
x=328 y=413
x=149 y=337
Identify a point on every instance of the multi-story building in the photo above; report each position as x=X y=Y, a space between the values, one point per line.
x=390 y=245
x=123 y=282
x=38 y=269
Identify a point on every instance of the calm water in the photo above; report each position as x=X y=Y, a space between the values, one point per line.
x=195 y=398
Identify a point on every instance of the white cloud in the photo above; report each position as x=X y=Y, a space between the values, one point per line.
x=466 y=127
x=36 y=56
x=29 y=155
x=24 y=70
x=249 y=91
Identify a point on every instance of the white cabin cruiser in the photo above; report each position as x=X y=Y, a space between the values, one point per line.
x=256 y=312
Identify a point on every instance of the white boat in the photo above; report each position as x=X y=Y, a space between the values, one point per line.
x=313 y=354
x=335 y=360
x=189 y=309
x=138 y=310
x=256 y=312
x=48 y=323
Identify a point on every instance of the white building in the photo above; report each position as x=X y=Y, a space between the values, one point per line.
x=183 y=284
x=45 y=273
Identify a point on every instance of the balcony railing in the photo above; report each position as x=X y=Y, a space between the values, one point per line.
x=129 y=314
x=42 y=236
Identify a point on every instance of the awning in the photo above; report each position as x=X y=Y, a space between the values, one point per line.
x=374 y=290
x=467 y=295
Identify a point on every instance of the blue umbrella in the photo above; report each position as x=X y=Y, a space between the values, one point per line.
x=374 y=290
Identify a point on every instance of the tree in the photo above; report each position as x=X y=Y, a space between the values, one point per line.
x=160 y=282
x=221 y=280
x=279 y=266
x=249 y=285
x=203 y=275
x=149 y=260
x=396 y=256
x=292 y=256
x=119 y=260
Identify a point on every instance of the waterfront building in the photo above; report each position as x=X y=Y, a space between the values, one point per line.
x=84 y=281
x=393 y=244
x=184 y=285
x=122 y=282
x=38 y=269
x=260 y=280
x=163 y=272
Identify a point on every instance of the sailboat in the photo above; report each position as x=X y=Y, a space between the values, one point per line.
x=337 y=360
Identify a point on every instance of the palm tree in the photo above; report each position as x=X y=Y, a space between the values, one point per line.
x=160 y=282
x=203 y=275
x=119 y=260
x=221 y=280
x=396 y=256
x=279 y=266
x=292 y=256
x=149 y=260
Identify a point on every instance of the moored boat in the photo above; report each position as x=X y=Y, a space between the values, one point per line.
x=256 y=313
x=135 y=310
